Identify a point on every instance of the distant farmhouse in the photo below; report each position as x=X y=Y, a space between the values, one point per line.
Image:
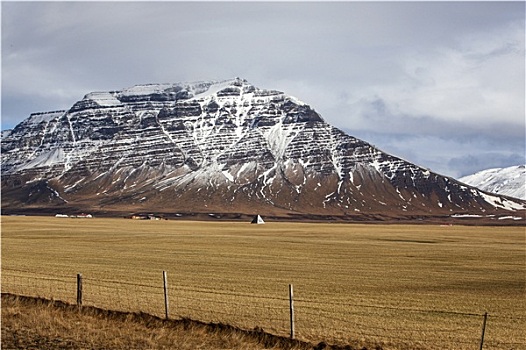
x=145 y=217
x=81 y=216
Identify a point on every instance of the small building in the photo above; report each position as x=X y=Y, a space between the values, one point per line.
x=139 y=217
x=145 y=217
x=82 y=216
x=257 y=220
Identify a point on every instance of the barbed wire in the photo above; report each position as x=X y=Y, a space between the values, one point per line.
x=244 y=309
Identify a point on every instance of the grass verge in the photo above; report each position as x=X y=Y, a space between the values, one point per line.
x=36 y=323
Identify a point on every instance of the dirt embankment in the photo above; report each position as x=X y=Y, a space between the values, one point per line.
x=33 y=323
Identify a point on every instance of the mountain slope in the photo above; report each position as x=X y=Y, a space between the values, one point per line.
x=510 y=181
x=218 y=146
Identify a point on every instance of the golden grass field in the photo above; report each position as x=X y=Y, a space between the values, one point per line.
x=398 y=286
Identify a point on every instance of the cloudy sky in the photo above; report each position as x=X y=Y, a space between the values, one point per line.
x=441 y=84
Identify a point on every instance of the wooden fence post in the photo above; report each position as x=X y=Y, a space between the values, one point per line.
x=291 y=303
x=165 y=285
x=483 y=330
x=79 y=289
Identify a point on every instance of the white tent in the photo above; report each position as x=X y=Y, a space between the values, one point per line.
x=257 y=220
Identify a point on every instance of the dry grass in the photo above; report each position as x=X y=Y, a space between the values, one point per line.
x=29 y=323
x=353 y=284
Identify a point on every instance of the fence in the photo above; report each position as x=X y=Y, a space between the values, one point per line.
x=311 y=318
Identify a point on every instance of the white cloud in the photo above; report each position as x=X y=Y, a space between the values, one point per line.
x=478 y=81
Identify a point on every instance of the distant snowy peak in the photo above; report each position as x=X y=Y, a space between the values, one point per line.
x=509 y=181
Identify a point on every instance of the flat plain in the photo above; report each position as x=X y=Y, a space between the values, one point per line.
x=397 y=286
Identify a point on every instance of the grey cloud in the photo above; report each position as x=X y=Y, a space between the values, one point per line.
x=472 y=163
x=377 y=116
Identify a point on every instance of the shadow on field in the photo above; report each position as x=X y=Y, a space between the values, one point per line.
x=253 y=339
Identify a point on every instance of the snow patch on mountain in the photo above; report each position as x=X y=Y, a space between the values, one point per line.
x=145 y=89
x=510 y=181
x=104 y=99
x=49 y=158
x=205 y=89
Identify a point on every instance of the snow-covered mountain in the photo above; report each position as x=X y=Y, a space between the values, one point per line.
x=217 y=146
x=510 y=181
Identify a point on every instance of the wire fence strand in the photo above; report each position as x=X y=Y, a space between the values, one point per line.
x=315 y=319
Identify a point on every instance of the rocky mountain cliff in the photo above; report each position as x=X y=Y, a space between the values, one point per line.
x=510 y=181
x=217 y=147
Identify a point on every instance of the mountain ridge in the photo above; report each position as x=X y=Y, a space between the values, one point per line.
x=217 y=146
x=509 y=181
